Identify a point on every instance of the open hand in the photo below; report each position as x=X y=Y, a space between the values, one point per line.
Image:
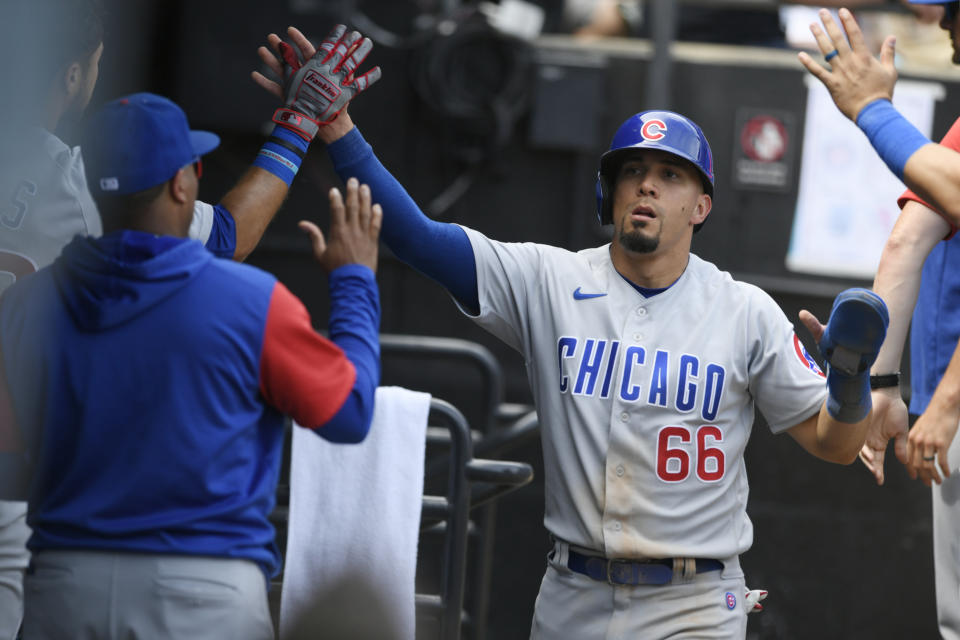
x=354 y=230
x=856 y=77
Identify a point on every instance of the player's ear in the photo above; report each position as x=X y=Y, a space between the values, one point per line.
x=702 y=208
x=178 y=185
x=72 y=79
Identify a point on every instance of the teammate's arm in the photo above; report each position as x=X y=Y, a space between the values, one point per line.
x=329 y=385
x=862 y=88
x=935 y=430
x=440 y=251
x=917 y=231
x=253 y=202
x=257 y=197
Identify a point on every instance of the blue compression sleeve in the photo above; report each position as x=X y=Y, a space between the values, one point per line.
x=223 y=236
x=439 y=250
x=354 y=327
x=892 y=135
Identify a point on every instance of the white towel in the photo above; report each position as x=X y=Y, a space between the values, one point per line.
x=355 y=522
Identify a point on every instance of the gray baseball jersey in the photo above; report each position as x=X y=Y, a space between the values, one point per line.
x=645 y=404
x=45 y=202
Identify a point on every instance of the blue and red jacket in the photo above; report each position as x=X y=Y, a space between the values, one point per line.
x=149 y=381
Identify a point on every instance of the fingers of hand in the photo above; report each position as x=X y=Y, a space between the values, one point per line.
x=364 y=213
x=269 y=59
x=812 y=324
x=330 y=42
x=267 y=84
x=337 y=213
x=357 y=56
x=888 y=51
x=316 y=237
x=353 y=199
x=336 y=59
x=813 y=66
x=852 y=29
x=834 y=38
x=367 y=79
x=376 y=220
x=307 y=50
x=289 y=56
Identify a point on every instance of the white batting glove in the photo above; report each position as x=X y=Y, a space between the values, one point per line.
x=753 y=598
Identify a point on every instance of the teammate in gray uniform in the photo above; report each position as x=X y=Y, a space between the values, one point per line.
x=44 y=198
x=646 y=364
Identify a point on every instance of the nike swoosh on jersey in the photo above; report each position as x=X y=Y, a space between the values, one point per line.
x=579 y=295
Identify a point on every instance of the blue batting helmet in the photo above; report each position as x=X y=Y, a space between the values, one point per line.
x=663 y=130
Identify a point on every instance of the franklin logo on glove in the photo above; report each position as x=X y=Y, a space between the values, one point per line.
x=322 y=85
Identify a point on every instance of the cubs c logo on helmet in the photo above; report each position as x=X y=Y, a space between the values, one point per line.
x=653 y=130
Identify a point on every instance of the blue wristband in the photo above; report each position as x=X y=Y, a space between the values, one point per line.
x=892 y=135
x=282 y=154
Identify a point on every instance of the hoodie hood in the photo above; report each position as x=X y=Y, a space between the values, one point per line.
x=108 y=281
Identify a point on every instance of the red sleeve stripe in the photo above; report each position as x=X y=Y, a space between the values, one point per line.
x=302 y=374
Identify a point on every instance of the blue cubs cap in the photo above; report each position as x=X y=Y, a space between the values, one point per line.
x=139 y=141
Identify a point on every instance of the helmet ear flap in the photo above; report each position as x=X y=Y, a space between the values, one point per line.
x=604 y=203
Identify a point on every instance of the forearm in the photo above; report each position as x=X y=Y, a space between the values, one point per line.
x=930 y=169
x=253 y=202
x=838 y=442
x=897 y=281
x=440 y=251
x=354 y=327
x=933 y=172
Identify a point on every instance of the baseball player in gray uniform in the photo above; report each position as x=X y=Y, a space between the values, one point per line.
x=646 y=364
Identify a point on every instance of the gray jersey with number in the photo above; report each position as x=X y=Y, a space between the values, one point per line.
x=45 y=202
x=645 y=404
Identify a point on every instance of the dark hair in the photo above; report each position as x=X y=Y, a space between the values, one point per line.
x=39 y=38
x=120 y=211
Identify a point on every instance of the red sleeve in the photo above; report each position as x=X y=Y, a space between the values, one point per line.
x=951 y=140
x=302 y=374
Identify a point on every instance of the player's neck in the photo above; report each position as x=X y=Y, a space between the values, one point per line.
x=651 y=271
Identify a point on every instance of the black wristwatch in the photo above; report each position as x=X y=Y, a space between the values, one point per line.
x=885 y=380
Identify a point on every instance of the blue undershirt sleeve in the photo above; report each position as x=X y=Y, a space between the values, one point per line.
x=223 y=235
x=439 y=250
x=354 y=327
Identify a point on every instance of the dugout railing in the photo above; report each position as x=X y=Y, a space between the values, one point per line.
x=462 y=482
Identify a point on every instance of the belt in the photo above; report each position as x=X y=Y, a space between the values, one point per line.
x=627 y=572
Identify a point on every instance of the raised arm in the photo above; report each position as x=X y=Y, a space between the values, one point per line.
x=308 y=104
x=329 y=385
x=440 y=251
x=862 y=88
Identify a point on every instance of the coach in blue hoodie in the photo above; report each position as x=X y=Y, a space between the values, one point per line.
x=147 y=386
